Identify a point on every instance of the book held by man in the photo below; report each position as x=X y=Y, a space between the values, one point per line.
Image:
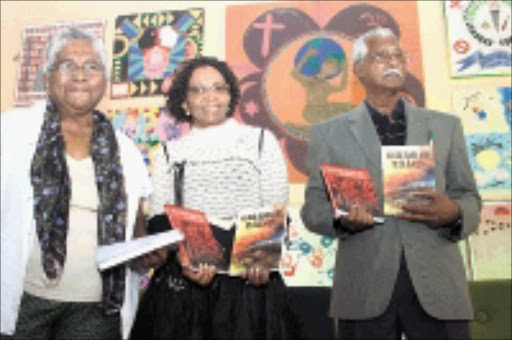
x=406 y=169
x=348 y=186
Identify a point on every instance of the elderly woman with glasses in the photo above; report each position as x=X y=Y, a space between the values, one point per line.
x=69 y=183
x=225 y=167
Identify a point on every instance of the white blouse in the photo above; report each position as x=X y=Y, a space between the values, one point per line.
x=225 y=171
x=81 y=280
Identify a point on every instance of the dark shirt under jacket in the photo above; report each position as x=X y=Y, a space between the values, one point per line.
x=392 y=130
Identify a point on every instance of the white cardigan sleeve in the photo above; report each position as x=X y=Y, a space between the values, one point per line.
x=162 y=181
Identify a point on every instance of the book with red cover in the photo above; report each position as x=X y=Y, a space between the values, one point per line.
x=199 y=245
x=347 y=186
x=258 y=239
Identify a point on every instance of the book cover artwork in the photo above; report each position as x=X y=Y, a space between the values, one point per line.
x=347 y=187
x=199 y=245
x=258 y=240
x=406 y=169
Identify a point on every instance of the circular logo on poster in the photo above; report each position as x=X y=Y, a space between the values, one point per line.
x=489 y=22
x=305 y=82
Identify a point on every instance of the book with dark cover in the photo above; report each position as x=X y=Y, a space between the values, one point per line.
x=199 y=245
x=406 y=169
x=347 y=186
x=258 y=239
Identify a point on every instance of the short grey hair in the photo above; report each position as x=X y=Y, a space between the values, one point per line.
x=67 y=35
x=360 y=45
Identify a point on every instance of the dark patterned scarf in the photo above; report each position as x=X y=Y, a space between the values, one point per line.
x=52 y=194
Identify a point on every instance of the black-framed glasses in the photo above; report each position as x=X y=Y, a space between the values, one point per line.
x=89 y=68
x=202 y=90
x=382 y=57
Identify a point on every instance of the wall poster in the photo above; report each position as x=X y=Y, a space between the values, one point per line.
x=294 y=62
x=308 y=258
x=148 y=47
x=30 y=86
x=491 y=244
x=479 y=37
x=485 y=113
x=147 y=127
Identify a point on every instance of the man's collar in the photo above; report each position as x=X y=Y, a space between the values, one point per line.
x=398 y=111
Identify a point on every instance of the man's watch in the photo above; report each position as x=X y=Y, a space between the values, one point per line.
x=457 y=225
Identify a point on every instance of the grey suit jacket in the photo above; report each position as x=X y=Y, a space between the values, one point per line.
x=367 y=262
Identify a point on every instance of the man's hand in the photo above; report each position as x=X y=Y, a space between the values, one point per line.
x=357 y=219
x=441 y=211
x=202 y=276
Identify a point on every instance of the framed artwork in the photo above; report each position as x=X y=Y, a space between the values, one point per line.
x=294 y=62
x=308 y=258
x=479 y=37
x=148 y=47
x=30 y=86
x=485 y=113
x=147 y=127
x=491 y=244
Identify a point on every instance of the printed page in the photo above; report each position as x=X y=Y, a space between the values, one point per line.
x=110 y=255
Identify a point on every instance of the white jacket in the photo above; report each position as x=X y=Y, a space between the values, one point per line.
x=20 y=130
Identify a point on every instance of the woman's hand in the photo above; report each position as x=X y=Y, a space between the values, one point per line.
x=152 y=259
x=202 y=276
x=256 y=275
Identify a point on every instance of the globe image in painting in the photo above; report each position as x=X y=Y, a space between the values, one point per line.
x=320 y=67
x=318 y=51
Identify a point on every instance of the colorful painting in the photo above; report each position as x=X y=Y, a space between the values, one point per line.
x=294 y=62
x=30 y=85
x=147 y=127
x=309 y=258
x=491 y=244
x=486 y=117
x=148 y=47
x=479 y=37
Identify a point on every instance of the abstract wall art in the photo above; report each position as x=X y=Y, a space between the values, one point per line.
x=148 y=47
x=485 y=113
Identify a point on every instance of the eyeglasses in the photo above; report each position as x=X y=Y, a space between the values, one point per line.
x=382 y=57
x=89 y=68
x=202 y=90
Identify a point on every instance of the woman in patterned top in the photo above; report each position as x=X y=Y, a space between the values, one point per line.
x=226 y=167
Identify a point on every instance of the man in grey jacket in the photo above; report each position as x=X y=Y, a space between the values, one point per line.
x=405 y=275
